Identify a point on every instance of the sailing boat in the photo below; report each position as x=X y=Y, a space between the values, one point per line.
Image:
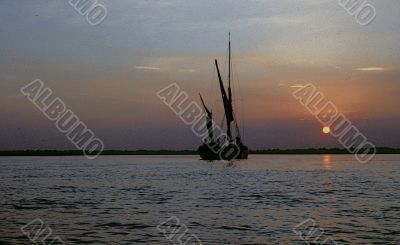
x=213 y=148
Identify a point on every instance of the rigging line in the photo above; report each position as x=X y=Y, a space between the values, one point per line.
x=237 y=129
x=233 y=83
x=243 y=118
x=241 y=101
x=212 y=91
x=237 y=84
x=223 y=123
x=234 y=93
x=225 y=63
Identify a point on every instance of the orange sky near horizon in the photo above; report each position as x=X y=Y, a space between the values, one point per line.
x=109 y=74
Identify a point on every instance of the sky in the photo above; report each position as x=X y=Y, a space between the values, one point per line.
x=109 y=74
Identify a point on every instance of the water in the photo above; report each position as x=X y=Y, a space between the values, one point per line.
x=122 y=199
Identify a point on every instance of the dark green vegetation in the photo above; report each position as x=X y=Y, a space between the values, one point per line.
x=380 y=150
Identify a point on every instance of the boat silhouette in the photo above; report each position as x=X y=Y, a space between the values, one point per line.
x=223 y=146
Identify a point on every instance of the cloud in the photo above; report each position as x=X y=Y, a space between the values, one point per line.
x=297 y=86
x=147 y=68
x=186 y=70
x=371 y=69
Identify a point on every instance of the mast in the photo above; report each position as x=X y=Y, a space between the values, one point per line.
x=230 y=66
x=229 y=88
x=229 y=61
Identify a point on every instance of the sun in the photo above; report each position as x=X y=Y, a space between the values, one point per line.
x=326 y=130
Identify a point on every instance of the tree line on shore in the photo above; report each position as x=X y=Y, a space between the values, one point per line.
x=308 y=151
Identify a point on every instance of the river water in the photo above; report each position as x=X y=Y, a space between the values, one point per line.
x=122 y=199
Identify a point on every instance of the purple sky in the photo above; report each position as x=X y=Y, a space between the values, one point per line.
x=109 y=74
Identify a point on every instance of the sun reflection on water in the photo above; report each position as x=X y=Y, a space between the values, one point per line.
x=327 y=160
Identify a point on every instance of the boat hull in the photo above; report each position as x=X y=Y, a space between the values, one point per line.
x=206 y=153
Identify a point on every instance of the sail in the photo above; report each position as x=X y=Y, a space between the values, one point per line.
x=209 y=119
x=209 y=113
x=226 y=100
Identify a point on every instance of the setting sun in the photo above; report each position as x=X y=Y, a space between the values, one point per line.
x=326 y=130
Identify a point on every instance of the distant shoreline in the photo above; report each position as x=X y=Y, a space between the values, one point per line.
x=380 y=150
